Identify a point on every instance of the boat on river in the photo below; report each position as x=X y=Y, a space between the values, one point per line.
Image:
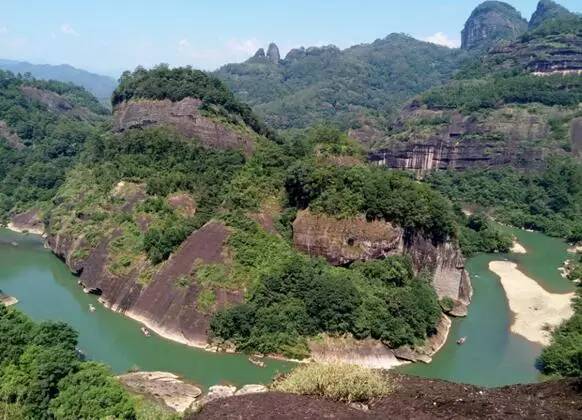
x=255 y=360
x=461 y=340
x=145 y=331
x=92 y=308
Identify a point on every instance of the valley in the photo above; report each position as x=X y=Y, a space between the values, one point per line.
x=350 y=225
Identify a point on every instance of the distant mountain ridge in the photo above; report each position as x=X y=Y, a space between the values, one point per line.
x=100 y=86
x=327 y=83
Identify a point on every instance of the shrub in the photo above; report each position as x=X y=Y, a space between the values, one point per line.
x=339 y=382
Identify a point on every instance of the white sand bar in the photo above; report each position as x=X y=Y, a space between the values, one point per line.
x=518 y=248
x=534 y=307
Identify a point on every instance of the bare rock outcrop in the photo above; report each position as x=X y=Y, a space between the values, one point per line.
x=185 y=117
x=507 y=136
x=491 y=22
x=368 y=353
x=28 y=221
x=55 y=103
x=344 y=241
x=576 y=136
x=163 y=304
x=10 y=136
x=167 y=387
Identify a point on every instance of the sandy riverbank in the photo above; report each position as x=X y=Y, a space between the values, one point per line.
x=518 y=248
x=33 y=231
x=534 y=307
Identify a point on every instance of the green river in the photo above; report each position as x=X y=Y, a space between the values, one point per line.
x=46 y=290
x=491 y=356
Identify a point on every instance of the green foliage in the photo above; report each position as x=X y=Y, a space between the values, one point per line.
x=50 y=143
x=338 y=382
x=41 y=375
x=303 y=297
x=473 y=95
x=564 y=355
x=375 y=192
x=328 y=84
x=161 y=82
x=91 y=392
x=481 y=235
x=549 y=201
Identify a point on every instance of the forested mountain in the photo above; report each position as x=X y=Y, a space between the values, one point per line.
x=100 y=86
x=326 y=83
x=43 y=126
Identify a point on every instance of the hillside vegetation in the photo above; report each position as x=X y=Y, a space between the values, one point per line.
x=316 y=84
x=39 y=144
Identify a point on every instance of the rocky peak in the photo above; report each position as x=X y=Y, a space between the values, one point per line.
x=546 y=10
x=490 y=22
x=260 y=53
x=273 y=53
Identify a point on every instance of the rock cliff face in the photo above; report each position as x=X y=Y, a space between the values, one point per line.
x=490 y=22
x=10 y=136
x=576 y=136
x=185 y=117
x=344 y=241
x=29 y=221
x=425 y=140
x=163 y=304
x=546 y=10
x=55 y=103
x=273 y=53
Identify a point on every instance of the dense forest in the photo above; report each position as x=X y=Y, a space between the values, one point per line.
x=42 y=375
x=45 y=144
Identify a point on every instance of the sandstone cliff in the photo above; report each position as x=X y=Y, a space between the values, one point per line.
x=163 y=303
x=186 y=118
x=344 y=241
x=425 y=139
x=491 y=22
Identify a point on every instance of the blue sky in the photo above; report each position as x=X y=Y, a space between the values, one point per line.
x=109 y=36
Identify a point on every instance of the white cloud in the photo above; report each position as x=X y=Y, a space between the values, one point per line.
x=442 y=39
x=68 y=30
x=246 y=46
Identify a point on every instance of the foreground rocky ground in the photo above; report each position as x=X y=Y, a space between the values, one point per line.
x=414 y=398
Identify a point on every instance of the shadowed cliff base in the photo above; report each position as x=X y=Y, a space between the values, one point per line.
x=414 y=398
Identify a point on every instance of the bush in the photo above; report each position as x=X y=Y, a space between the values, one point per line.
x=338 y=382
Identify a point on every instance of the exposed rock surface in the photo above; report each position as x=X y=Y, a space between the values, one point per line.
x=216 y=392
x=54 y=102
x=511 y=135
x=10 y=136
x=183 y=203
x=344 y=241
x=185 y=117
x=576 y=136
x=491 y=22
x=162 y=305
x=7 y=300
x=175 y=393
x=431 y=345
x=273 y=53
x=369 y=353
x=29 y=221
x=251 y=389
x=546 y=10
x=414 y=398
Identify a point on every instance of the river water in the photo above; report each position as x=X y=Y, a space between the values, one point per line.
x=491 y=356
x=46 y=290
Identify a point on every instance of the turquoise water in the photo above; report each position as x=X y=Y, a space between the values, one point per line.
x=46 y=290
x=492 y=355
